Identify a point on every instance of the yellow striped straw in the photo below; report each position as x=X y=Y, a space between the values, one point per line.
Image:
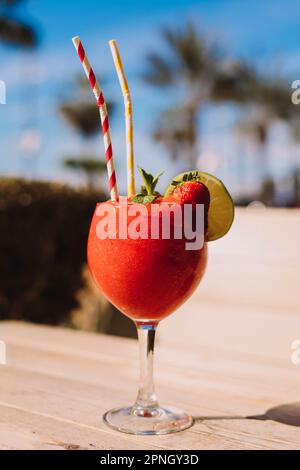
x=128 y=116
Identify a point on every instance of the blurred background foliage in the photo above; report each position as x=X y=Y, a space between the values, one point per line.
x=42 y=273
x=44 y=279
x=207 y=75
x=14 y=30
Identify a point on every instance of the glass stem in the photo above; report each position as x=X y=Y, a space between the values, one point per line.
x=146 y=400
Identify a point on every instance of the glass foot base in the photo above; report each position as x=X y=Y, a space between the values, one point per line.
x=133 y=420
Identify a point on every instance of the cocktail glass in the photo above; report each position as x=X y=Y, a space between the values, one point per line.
x=147 y=279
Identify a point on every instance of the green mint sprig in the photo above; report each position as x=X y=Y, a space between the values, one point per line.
x=148 y=193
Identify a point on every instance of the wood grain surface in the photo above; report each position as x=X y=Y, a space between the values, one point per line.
x=225 y=357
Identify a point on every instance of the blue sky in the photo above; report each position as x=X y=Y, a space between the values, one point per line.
x=262 y=32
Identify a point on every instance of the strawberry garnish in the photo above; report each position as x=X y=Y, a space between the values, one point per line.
x=192 y=192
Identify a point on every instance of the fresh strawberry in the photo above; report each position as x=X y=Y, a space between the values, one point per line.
x=192 y=192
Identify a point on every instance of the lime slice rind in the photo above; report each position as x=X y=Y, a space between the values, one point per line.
x=221 y=209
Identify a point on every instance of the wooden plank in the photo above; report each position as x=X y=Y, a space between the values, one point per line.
x=217 y=366
x=40 y=392
x=24 y=429
x=225 y=357
x=80 y=389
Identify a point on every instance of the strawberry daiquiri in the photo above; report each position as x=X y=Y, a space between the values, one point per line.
x=146 y=279
x=147 y=252
x=148 y=275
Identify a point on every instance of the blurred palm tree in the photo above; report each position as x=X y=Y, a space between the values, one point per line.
x=173 y=129
x=271 y=102
x=201 y=73
x=89 y=166
x=13 y=30
x=196 y=67
x=190 y=65
x=83 y=116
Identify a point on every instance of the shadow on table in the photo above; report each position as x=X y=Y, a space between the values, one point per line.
x=286 y=414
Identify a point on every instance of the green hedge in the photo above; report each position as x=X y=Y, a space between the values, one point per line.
x=43 y=233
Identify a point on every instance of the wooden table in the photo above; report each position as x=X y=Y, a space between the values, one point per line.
x=225 y=357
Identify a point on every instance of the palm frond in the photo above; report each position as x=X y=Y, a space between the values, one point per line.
x=159 y=70
x=235 y=81
x=17 y=33
x=83 y=116
x=88 y=164
x=10 y=2
x=189 y=57
x=276 y=96
x=194 y=54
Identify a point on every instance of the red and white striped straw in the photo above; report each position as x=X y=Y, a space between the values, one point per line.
x=103 y=116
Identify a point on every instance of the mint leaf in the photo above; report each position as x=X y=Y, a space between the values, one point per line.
x=144 y=199
x=147 y=178
x=138 y=199
x=155 y=180
x=149 y=199
x=150 y=182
